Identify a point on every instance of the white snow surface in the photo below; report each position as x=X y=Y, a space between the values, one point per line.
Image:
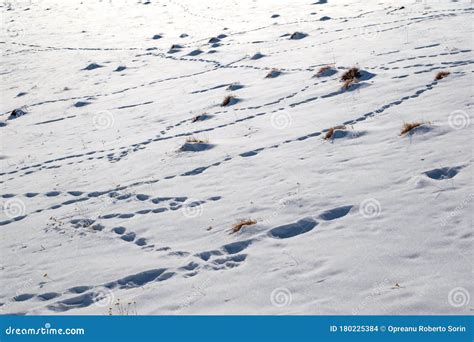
x=104 y=211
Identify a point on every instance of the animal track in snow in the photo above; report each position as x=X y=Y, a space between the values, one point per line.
x=254 y=152
x=293 y=229
x=443 y=173
x=335 y=213
x=226 y=257
x=139 y=146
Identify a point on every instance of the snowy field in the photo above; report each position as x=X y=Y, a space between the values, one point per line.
x=206 y=157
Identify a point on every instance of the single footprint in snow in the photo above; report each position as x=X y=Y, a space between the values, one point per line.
x=258 y=55
x=298 y=35
x=48 y=296
x=195 y=52
x=92 y=66
x=293 y=229
x=129 y=237
x=140 y=242
x=335 y=213
x=80 y=104
x=443 y=173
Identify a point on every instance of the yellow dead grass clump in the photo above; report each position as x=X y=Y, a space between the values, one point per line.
x=408 y=126
x=241 y=224
x=442 y=74
x=350 y=77
x=329 y=134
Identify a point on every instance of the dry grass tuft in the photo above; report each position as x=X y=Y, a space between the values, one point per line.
x=198 y=117
x=196 y=140
x=227 y=100
x=195 y=144
x=241 y=224
x=322 y=70
x=442 y=74
x=348 y=83
x=123 y=310
x=408 y=126
x=352 y=73
x=351 y=76
x=273 y=73
x=329 y=134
